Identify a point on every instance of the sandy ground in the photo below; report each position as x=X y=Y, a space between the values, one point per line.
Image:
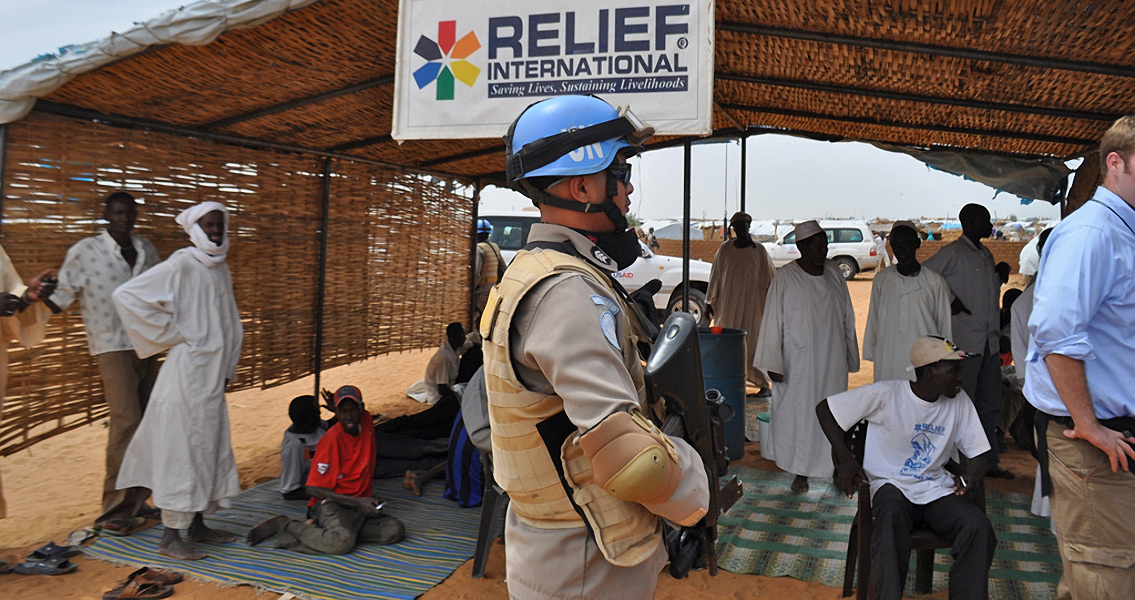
x=55 y=487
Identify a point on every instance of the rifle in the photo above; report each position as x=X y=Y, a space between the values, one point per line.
x=674 y=380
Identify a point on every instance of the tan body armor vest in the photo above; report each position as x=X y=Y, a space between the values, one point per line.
x=491 y=262
x=523 y=466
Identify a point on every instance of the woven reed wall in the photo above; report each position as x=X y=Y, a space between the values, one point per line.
x=398 y=254
x=1003 y=251
x=1009 y=252
x=699 y=249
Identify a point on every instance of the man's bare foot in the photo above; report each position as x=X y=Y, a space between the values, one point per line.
x=265 y=530
x=209 y=536
x=800 y=484
x=410 y=482
x=198 y=532
x=174 y=547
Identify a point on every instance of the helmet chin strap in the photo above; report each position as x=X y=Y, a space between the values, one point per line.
x=608 y=206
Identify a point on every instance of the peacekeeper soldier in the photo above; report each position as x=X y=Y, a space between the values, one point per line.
x=489 y=265
x=589 y=477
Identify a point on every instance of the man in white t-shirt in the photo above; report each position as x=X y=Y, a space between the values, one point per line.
x=914 y=428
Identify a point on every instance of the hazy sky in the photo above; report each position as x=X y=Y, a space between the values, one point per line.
x=788 y=178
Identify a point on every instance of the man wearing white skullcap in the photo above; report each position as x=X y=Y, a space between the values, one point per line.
x=807 y=347
x=181 y=449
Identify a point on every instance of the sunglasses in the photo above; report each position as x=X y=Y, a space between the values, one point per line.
x=621 y=171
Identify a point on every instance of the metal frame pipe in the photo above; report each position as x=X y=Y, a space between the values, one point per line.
x=65 y=110
x=686 y=152
x=473 y=252
x=3 y=164
x=321 y=288
x=744 y=168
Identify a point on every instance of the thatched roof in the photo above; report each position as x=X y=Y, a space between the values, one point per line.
x=1024 y=79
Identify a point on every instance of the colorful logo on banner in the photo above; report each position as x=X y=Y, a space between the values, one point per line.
x=445 y=60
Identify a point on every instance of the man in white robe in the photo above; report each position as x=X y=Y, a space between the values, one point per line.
x=23 y=318
x=907 y=302
x=738 y=283
x=181 y=450
x=807 y=347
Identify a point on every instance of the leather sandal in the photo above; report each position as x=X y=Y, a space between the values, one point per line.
x=158 y=576
x=120 y=527
x=138 y=591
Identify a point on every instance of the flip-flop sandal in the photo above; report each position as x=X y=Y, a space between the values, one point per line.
x=77 y=537
x=51 y=549
x=120 y=527
x=159 y=576
x=136 y=590
x=56 y=565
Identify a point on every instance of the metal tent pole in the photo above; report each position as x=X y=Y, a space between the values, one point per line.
x=322 y=285
x=744 y=169
x=686 y=226
x=473 y=251
x=3 y=163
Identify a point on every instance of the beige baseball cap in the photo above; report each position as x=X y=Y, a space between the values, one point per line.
x=930 y=349
x=807 y=229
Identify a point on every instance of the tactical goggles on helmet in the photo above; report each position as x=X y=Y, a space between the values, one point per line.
x=621 y=171
x=544 y=151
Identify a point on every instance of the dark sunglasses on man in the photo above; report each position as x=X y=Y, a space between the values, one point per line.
x=621 y=171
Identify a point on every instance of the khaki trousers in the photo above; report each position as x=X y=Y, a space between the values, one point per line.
x=126 y=382
x=1094 y=513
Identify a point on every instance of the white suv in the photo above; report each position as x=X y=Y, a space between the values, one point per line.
x=850 y=245
x=510 y=232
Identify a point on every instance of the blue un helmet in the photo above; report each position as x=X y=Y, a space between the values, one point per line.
x=570 y=135
x=484 y=226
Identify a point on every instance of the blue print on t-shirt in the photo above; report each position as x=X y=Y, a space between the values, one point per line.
x=922 y=457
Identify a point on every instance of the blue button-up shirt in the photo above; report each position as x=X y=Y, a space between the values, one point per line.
x=1085 y=307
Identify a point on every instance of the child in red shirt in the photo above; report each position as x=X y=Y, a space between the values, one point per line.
x=342 y=511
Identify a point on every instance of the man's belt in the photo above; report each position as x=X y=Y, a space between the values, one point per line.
x=1125 y=425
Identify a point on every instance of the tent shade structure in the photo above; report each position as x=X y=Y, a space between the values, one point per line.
x=282 y=110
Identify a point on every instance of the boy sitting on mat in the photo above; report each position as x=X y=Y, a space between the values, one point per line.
x=298 y=447
x=342 y=511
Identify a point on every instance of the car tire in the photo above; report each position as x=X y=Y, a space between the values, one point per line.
x=697 y=305
x=847 y=268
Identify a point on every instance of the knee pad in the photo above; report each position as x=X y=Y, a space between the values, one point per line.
x=632 y=460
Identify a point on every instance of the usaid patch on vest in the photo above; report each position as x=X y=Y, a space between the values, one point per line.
x=607 y=319
x=322 y=468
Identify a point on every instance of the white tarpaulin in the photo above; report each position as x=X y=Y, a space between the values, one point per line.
x=196 y=24
x=467 y=69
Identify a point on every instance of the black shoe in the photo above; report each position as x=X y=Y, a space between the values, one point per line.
x=1000 y=473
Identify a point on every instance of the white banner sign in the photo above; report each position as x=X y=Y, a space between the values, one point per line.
x=466 y=69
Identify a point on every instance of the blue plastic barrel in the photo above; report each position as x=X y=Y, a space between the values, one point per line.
x=723 y=367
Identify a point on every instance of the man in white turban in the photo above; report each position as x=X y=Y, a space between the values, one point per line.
x=181 y=450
